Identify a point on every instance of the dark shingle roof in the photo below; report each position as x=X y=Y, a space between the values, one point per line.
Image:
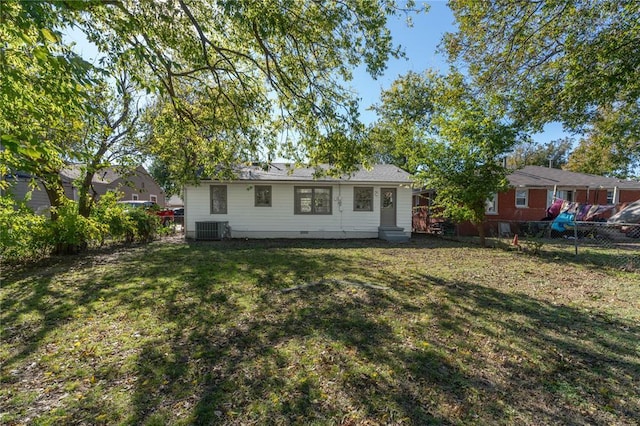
x=538 y=176
x=285 y=172
x=104 y=176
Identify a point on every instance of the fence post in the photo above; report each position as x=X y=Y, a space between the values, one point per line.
x=575 y=235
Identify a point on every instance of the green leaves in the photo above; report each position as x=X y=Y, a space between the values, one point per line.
x=451 y=137
x=551 y=61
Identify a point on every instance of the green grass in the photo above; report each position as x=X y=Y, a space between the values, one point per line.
x=319 y=332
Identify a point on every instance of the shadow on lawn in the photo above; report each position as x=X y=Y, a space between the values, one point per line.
x=425 y=350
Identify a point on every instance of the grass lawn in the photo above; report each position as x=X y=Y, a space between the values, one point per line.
x=319 y=332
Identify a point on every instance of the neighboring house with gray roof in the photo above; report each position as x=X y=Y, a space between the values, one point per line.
x=134 y=184
x=285 y=202
x=533 y=189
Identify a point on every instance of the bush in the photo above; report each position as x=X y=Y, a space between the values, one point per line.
x=25 y=236
x=145 y=225
x=21 y=232
x=73 y=233
x=124 y=222
x=108 y=212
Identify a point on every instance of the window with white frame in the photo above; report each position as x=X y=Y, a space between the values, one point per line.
x=262 y=195
x=312 y=200
x=153 y=198
x=610 y=199
x=134 y=197
x=522 y=197
x=362 y=199
x=218 y=199
x=491 y=206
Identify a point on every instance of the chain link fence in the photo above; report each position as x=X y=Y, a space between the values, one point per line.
x=601 y=243
x=598 y=243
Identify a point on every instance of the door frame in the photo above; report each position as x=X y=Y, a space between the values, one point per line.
x=386 y=211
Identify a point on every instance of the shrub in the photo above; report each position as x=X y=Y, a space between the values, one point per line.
x=126 y=223
x=73 y=233
x=21 y=232
x=25 y=236
x=108 y=212
x=145 y=225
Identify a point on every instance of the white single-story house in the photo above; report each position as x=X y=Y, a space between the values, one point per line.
x=285 y=202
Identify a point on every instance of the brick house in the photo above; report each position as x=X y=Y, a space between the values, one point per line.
x=532 y=190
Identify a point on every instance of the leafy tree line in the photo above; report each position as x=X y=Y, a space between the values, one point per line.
x=576 y=62
x=228 y=82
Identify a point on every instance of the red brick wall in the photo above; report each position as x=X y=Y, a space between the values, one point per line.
x=537 y=207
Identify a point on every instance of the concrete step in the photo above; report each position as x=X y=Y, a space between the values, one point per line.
x=393 y=234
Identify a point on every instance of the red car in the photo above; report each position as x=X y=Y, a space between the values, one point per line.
x=166 y=215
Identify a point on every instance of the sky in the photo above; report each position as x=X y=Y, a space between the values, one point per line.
x=419 y=42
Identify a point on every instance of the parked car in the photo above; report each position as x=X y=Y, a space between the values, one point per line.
x=166 y=215
x=149 y=205
x=178 y=216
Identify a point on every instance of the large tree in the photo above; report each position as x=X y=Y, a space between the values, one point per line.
x=529 y=153
x=612 y=146
x=451 y=138
x=404 y=119
x=43 y=86
x=277 y=65
x=111 y=134
x=569 y=61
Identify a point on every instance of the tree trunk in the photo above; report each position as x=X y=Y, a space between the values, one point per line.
x=481 y=234
x=55 y=191
x=85 y=201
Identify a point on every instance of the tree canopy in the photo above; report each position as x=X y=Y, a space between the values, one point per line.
x=560 y=61
x=529 y=153
x=404 y=120
x=43 y=86
x=451 y=138
x=270 y=68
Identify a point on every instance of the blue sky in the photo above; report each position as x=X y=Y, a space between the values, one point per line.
x=419 y=43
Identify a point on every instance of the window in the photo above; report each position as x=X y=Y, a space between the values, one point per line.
x=262 y=195
x=522 y=197
x=491 y=206
x=153 y=199
x=134 y=197
x=363 y=199
x=610 y=199
x=218 y=199
x=312 y=200
x=560 y=194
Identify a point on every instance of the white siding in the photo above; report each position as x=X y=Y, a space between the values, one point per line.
x=279 y=220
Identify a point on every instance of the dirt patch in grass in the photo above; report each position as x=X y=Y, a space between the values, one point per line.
x=324 y=332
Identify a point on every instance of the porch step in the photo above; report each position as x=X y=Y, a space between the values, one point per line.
x=393 y=234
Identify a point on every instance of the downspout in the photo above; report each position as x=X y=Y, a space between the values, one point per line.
x=184 y=206
x=340 y=206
